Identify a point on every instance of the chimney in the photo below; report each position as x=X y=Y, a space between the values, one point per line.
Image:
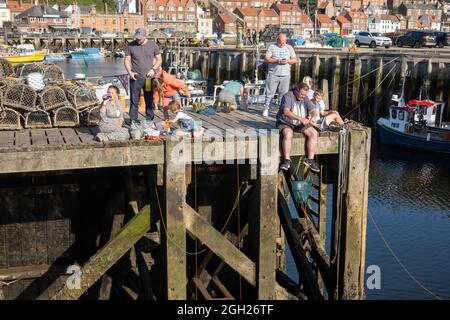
x=105 y=7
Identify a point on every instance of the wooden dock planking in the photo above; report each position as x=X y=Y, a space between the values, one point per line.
x=7 y=139
x=55 y=137
x=70 y=137
x=22 y=139
x=39 y=137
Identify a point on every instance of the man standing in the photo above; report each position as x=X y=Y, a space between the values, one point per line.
x=279 y=57
x=142 y=61
x=295 y=114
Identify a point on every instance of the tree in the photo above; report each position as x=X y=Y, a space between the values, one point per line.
x=309 y=6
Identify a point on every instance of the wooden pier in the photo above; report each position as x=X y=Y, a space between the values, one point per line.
x=181 y=219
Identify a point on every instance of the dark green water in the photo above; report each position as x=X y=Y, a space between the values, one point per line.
x=409 y=199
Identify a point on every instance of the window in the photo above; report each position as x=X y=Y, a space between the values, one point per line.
x=401 y=115
x=114 y=21
x=180 y=8
x=161 y=8
x=105 y=22
x=394 y=114
x=180 y=17
x=125 y=21
x=171 y=8
x=151 y=8
x=82 y=21
x=32 y=19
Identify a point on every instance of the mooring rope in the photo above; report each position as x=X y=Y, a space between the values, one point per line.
x=367 y=97
x=364 y=75
x=399 y=261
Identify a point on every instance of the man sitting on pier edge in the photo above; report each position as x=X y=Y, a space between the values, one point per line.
x=142 y=61
x=294 y=114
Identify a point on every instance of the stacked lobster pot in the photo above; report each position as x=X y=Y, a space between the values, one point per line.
x=9 y=117
x=38 y=94
x=83 y=98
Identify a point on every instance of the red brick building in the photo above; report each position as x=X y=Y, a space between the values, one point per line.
x=41 y=19
x=16 y=7
x=292 y=17
x=358 y=19
x=324 y=24
x=233 y=4
x=345 y=26
x=223 y=23
x=180 y=15
x=257 y=19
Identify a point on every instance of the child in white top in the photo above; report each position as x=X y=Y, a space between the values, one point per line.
x=185 y=123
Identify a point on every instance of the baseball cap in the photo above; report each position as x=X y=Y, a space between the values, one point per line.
x=139 y=34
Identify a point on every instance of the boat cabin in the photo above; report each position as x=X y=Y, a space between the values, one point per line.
x=25 y=50
x=415 y=112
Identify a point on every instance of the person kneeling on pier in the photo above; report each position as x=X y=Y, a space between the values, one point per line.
x=293 y=115
x=111 y=115
x=324 y=117
x=186 y=125
x=233 y=94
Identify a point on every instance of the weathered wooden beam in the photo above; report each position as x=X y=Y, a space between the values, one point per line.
x=107 y=256
x=354 y=217
x=28 y=272
x=263 y=219
x=80 y=158
x=174 y=242
x=327 y=144
x=298 y=253
x=222 y=247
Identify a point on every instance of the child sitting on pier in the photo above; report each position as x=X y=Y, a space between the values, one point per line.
x=185 y=123
x=325 y=117
x=111 y=115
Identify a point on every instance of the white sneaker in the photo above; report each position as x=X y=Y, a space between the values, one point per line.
x=146 y=124
x=265 y=113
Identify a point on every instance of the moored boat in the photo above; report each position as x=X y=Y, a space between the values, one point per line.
x=87 y=53
x=23 y=53
x=416 y=124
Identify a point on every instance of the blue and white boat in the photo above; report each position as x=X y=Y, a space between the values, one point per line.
x=416 y=124
x=87 y=53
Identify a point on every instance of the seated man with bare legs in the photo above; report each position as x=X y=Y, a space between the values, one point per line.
x=294 y=115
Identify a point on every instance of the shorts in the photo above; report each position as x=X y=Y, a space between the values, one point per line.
x=166 y=100
x=300 y=128
x=228 y=97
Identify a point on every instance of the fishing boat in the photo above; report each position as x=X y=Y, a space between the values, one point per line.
x=22 y=53
x=415 y=124
x=56 y=57
x=87 y=53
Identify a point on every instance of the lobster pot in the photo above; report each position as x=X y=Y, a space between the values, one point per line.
x=91 y=117
x=52 y=72
x=66 y=117
x=6 y=68
x=52 y=97
x=38 y=119
x=80 y=96
x=20 y=97
x=23 y=70
x=9 y=119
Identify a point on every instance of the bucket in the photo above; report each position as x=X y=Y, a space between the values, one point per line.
x=302 y=190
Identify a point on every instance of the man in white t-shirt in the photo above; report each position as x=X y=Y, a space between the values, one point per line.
x=279 y=57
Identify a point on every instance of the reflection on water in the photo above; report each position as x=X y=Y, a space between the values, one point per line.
x=409 y=198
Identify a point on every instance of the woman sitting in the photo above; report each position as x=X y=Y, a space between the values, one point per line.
x=111 y=116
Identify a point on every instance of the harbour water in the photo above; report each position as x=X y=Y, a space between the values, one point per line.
x=409 y=200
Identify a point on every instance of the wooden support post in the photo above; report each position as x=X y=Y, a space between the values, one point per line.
x=174 y=241
x=228 y=68
x=378 y=91
x=354 y=217
x=316 y=68
x=326 y=96
x=335 y=83
x=107 y=256
x=356 y=83
x=218 y=76
x=243 y=64
x=265 y=218
x=205 y=69
x=440 y=82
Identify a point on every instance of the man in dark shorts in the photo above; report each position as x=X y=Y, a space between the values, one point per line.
x=294 y=114
x=142 y=61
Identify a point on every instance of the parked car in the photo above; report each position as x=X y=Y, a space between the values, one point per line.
x=417 y=39
x=372 y=39
x=442 y=39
